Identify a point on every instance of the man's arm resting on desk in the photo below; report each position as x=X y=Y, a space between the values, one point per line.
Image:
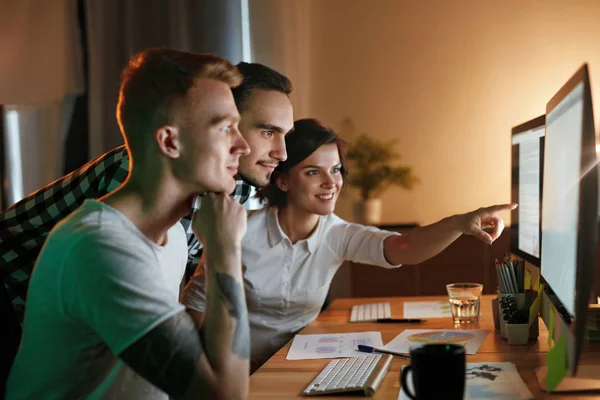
x=171 y=357
x=255 y=361
x=187 y=359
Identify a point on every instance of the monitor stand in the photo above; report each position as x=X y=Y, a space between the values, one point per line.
x=587 y=379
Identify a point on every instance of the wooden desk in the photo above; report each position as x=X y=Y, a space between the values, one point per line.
x=279 y=378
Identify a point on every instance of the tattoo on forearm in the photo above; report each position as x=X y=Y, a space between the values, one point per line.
x=234 y=294
x=168 y=355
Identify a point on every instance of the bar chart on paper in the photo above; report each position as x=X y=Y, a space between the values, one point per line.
x=332 y=345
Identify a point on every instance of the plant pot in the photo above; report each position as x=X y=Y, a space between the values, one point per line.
x=524 y=300
x=368 y=212
x=517 y=334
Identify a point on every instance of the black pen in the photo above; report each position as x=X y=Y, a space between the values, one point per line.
x=371 y=349
x=400 y=320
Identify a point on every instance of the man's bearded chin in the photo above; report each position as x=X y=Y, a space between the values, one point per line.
x=252 y=181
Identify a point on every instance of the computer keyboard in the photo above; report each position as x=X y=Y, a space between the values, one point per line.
x=370 y=312
x=350 y=375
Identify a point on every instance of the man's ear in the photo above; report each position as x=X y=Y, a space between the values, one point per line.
x=169 y=141
x=281 y=181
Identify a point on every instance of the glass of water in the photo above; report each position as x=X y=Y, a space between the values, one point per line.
x=465 y=299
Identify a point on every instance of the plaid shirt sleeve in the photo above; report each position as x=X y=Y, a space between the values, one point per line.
x=25 y=225
x=243 y=191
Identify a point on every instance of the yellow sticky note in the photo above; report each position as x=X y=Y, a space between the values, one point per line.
x=537 y=285
x=535 y=306
x=556 y=361
x=551 y=328
x=527 y=279
x=534 y=309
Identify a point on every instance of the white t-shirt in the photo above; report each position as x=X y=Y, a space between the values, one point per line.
x=286 y=284
x=98 y=286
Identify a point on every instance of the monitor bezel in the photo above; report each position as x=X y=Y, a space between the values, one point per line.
x=514 y=194
x=587 y=217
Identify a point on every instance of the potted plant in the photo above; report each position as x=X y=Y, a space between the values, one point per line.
x=373 y=168
x=517 y=321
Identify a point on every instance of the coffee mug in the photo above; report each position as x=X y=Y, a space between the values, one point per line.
x=436 y=369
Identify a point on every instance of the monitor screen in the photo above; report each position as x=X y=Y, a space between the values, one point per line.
x=561 y=196
x=526 y=189
x=569 y=211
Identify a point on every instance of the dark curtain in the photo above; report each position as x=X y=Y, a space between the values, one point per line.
x=117 y=29
x=76 y=151
x=112 y=31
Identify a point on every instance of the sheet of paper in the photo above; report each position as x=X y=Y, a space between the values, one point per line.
x=332 y=345
x=556 y=362
x=494 y=380
x=427 y=309
x=470 y=339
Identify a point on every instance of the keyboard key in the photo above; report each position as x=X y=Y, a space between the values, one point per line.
x=370 y=312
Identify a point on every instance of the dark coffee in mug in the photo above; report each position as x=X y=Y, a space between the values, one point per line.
x=437 y=371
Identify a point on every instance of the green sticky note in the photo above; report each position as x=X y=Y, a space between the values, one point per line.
x=551 y=328
x=527 y=279
x=556 y=361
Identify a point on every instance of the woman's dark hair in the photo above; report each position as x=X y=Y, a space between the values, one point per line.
x=306 y=137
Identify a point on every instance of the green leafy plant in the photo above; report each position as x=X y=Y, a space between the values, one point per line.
x=373 y=163
x=511 y=313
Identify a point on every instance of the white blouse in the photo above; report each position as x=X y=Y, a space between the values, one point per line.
x=286 y=284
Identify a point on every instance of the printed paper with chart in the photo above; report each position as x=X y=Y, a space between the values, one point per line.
x=332 y=345
x=471 y=339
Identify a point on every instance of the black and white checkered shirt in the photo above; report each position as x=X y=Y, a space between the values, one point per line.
x=25 y=225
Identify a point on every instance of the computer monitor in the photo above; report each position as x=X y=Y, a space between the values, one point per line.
x=527 y=142
x=569 y=212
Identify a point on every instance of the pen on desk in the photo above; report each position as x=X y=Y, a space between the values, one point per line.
x=400 y=320
x=370 y=349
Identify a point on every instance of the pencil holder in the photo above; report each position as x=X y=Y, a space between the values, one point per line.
x=524 y=300
x=495 y=313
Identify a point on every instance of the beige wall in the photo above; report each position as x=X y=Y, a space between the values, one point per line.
x=447 y=78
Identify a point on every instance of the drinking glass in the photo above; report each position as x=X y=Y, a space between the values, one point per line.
x=465 y=299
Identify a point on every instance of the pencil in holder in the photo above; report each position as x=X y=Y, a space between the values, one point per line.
x=523 y=300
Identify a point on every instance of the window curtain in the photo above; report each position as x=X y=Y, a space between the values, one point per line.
x=281 y=34
x=43 y=73
x=40 y=72
x=117 y=29
x=34 y=137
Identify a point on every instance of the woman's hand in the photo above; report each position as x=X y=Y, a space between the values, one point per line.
x=474 y=222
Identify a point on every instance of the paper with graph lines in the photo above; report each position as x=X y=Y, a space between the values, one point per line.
x=332 y=345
